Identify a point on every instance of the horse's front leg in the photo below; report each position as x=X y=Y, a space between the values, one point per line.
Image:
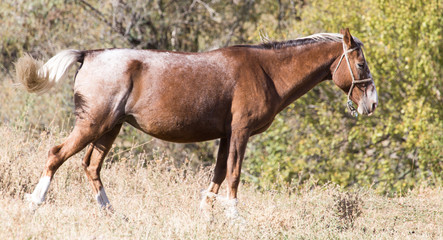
x=209 y=196
x=237 y=147
x=229 y=161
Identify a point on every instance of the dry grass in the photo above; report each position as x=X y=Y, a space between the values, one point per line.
x=154 y=199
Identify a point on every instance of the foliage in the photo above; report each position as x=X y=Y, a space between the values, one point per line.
x=395 y=149
x=315 y=138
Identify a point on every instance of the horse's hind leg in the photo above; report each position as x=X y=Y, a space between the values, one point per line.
x=93 y=161
x=84 y=132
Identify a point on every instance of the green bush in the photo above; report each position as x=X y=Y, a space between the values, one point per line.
x=399 y=147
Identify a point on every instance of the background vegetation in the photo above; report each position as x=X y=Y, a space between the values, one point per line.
x=400 y=147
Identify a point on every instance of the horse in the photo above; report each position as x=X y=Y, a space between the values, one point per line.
x=231 y=94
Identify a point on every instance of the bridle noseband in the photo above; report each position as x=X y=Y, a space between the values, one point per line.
x=345 y=55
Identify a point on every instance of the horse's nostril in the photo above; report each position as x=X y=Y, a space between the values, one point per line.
x=374 y=105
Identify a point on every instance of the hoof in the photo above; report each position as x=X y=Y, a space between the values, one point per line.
x=206 y=205
x=231 y=211
x=208 y=199
x=107 y=210
x=39 y=195
x=34 y=202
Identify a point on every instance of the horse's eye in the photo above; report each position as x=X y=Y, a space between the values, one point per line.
x=360 y=65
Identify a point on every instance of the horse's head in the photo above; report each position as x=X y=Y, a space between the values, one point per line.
x=352 y=75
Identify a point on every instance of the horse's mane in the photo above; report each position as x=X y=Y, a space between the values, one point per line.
x=315 y=38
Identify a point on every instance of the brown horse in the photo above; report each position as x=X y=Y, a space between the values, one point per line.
x=230 y=93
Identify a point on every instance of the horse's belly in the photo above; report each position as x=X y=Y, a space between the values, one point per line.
x=179 y=129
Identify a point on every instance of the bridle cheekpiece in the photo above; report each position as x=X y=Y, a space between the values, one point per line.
x=345 y=55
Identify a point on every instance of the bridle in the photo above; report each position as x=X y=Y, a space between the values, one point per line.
x=345 y=55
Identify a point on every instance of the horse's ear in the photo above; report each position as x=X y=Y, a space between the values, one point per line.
x=347 y=38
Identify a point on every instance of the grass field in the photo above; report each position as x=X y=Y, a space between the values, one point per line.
x=154 y=199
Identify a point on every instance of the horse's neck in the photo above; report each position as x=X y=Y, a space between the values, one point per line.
x=296 y=70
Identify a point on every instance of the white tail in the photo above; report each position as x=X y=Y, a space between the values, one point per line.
x=39 y=79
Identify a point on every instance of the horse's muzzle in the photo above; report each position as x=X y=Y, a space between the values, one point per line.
x=368 y=104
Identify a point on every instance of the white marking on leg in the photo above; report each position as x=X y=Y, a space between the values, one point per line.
x=231 y=208
x=207 y=200
x=39 y=195
x=102 y=199
x=211 y=185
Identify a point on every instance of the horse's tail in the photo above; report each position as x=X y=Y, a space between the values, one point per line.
x=39 y=78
